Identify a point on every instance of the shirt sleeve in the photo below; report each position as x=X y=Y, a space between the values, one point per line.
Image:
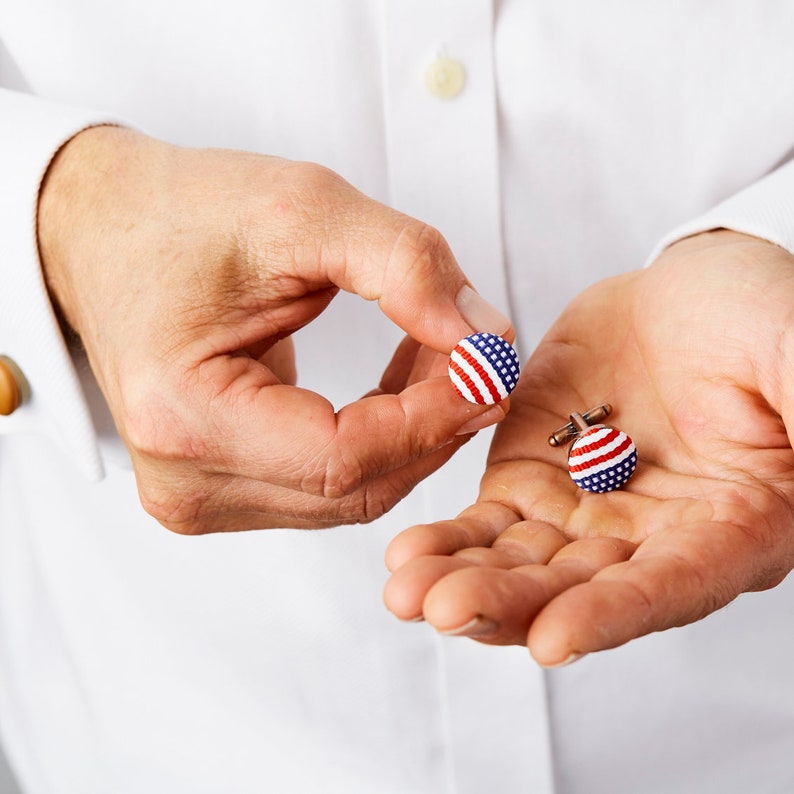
x=763 y=209
x=32 y=130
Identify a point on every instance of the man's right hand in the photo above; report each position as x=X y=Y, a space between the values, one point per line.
x=182 y=269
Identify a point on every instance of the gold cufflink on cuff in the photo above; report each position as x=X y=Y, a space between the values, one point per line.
x=13 y=386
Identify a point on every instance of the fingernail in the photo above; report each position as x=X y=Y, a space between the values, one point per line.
x=490 y=417
x=574 y=657
x=476 y=627
x=478 y=313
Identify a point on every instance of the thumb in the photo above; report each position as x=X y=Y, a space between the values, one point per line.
x=424 y=291
x=408 y=267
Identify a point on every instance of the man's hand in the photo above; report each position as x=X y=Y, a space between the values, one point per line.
x=696 y=355
x=181 y=270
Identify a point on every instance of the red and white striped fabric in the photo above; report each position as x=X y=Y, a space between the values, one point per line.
x=484 y=368
x=602 y=459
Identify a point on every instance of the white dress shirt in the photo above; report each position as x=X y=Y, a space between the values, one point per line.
x=553 y=143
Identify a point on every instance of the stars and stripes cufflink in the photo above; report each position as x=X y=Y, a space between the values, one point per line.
x=483 y=368
x=601 y=458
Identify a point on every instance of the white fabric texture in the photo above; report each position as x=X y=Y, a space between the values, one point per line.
x=133 y=660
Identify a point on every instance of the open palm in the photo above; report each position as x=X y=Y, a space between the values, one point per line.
x=695 y=355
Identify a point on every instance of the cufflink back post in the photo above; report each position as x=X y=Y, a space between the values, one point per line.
x=601 y=458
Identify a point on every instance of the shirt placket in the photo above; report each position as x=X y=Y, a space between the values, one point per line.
x=441 y=133
x=442 y=148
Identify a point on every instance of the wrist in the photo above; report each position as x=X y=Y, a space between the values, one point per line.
x=69 y=216
x=709 y=240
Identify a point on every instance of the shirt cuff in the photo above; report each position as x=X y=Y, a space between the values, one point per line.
x=764 y=209
x=32 y=130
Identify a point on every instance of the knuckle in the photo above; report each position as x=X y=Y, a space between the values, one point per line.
x=158 y=431
x=375 y=502
x=177 y=512
x=308 y=206
x=312 y=184
x=320 y=177
x=350 y=494
x=343 y=476
x=423 y=245
x=420 y=253
x=376 y=505
x=358 y=508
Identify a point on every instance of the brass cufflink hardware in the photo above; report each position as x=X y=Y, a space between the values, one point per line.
x=601 y=458
x=13 y=386
x=579 y=423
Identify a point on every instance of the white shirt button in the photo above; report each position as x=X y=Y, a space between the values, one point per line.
x=445 y=78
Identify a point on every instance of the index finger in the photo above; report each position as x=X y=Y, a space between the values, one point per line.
x=294 y=438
